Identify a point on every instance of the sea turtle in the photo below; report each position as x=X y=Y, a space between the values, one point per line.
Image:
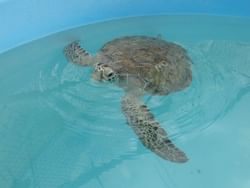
x=140 y=65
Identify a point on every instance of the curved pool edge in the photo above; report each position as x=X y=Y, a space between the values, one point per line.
x=189 y=15
x=26 y=20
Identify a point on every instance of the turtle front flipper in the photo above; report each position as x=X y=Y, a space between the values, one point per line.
x=149 y=131
x=78 y=55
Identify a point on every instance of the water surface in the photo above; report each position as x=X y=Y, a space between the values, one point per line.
x=60 y=129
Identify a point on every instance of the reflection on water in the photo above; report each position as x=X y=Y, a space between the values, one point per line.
x=58 y=128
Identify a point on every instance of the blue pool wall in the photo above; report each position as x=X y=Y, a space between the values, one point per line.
x=22 y=21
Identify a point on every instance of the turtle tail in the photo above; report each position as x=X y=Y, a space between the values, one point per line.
x=152 y=136
x=78 y=55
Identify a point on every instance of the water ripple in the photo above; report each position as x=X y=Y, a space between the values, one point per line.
x=221 y=70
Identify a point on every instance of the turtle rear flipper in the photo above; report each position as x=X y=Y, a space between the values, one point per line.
x=78 y=55
x=149 y=131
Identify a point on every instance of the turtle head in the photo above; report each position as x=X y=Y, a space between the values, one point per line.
x=104 y=72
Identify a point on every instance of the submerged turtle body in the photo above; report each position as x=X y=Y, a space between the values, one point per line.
x=156 y=66
x=140 y=64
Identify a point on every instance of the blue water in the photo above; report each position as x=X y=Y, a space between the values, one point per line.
x=58 y=128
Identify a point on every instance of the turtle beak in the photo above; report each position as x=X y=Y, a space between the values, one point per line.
x=97 y=76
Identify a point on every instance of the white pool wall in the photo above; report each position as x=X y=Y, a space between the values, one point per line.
x=22 y=21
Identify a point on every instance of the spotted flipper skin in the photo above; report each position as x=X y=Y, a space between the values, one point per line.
x=77 y=55
x=152 y=136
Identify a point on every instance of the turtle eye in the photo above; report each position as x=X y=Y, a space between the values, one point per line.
x=111 y=74
x=111 y=77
